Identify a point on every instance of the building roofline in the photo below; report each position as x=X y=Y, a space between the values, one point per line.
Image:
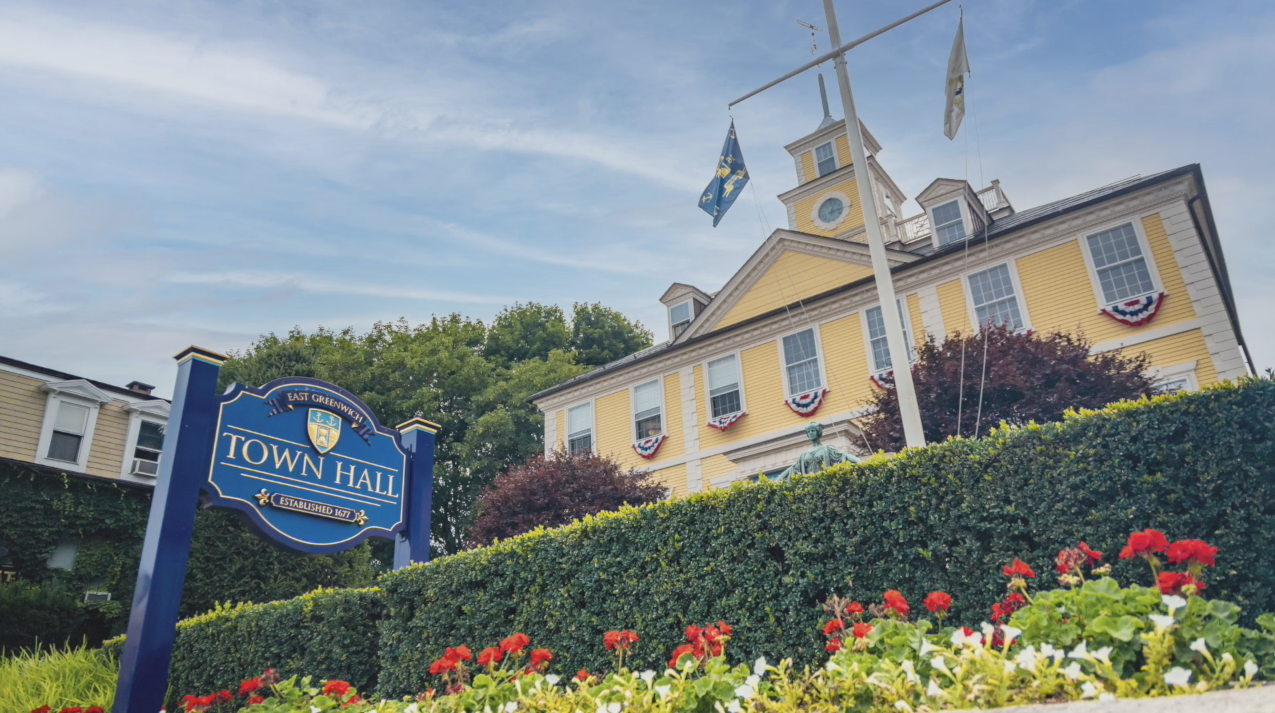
x=68 y=377
x=72 y=474
x=984 y=236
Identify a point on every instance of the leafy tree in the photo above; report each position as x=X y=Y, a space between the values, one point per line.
x=1029 y=377
x=600 y=335
x=547 y=491
x=527 y=331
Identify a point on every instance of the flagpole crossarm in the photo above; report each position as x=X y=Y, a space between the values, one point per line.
x=842 y=49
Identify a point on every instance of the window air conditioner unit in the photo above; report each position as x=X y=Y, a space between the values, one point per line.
x=141 y=466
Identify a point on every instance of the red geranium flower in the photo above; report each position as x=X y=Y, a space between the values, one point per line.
x=894 y=600
x=1094 y=555
x=582 y=674
x=1192 y=551
x=966 y=630
x=861 y=630
x=255 y=700
x=539 y=656
x=352 y=701
x=854 y=608
x=224 y=696
x=441 y=665
x=692 y=632
x=42 y=709
x=938 y=600
x=458 y=653
x=1174 y=582
x=1019 y=568
x=515 y=642
x=1142 y=544
x=94 y=709
x=76 y=709
x=834 y=625
x=834 y=645
x=250 y=685
x=724 y=628
x=336 y=688
x=679 y=652
x=490 y=655
x=623 y=639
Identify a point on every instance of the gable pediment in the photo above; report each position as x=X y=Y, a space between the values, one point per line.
x=80 y=388
x=155 y=407
x=788 y=267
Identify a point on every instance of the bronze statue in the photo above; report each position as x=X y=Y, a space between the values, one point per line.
x=819 y=457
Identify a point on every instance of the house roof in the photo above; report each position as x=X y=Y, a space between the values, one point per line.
x=69 y=377
x=998 y=229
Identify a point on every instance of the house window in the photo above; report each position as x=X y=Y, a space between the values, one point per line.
x=877 y=339
x=825 y=159
x=580 y=429
x=724 y=396
x=801 y=362
x=646 y=410
x=69 y=427
x=150 y=441
x=994 y=300
x=679 y=316
x=1121 y=267
x=949 y=226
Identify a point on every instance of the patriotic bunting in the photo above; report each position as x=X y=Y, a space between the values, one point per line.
x=806 y=404
x=648 y=446
x=882 y=380
x=722 y=423
x=1135 y=312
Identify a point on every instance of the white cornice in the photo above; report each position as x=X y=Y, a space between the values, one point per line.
x=157 y=407
x=829 y=133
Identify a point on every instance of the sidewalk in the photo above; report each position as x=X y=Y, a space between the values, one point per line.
x=1260 y=699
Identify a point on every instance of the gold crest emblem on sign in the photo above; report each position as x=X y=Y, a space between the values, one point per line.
x=324 y=429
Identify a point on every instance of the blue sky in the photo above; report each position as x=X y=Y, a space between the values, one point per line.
x=176 y=172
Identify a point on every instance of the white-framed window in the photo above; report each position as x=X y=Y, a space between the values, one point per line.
x=725 y=397
x=648 y=410
x=70 y=417
x=679 y=317
x=802 y=373
x=877 y=348
x=1119 y=263
x=145 y=441
x=948 y=222
x=1172 y=379
x=580 y=428
x=825 y=159
x=994 y=296
x=150 y=443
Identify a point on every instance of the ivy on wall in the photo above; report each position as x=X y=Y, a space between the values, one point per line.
x=107 y=521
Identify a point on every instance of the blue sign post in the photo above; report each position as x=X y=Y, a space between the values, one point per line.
x=306 y=462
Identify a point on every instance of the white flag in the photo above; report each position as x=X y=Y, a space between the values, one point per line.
x=957 y=66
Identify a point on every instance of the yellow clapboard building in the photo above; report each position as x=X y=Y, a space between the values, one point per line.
x=1135 y=265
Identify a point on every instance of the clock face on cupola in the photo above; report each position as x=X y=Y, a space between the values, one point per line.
x=830 y=210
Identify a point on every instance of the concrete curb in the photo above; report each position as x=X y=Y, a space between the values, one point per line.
x=1259 y=699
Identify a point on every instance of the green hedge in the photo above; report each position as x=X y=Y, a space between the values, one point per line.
x=763 y=557
x=327 y=633
x=228 y=561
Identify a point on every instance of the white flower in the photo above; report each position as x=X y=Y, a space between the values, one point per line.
x=511 y=706
x=411 y=708
x=1080 y=652
x=1173 y=602
x=988 y=630
x=1087 y=690
x=1048 y=650
x=1161 y=621
x=1103 y=654
x=910 y=670
x=663 y=690
x=1027 y=659
x=903 y=706
x=1227 y=657
x=1177 y=676
x=734 y=706
x=1199 y=646
x=1250 y=668
x=315 y=709
x=648 y=676
x=614 y=707
x=1010 y=632
x=927 y=647
x=759 y=667
x=958 y=638
x=753 y=680
x=831 y=665
x=1009 y=666
x=552 y=679
x=933 y=691
x=938 y=663
x=745 y=691
x=1073 y=671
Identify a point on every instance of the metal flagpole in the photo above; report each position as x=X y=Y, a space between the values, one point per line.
x=913 y=433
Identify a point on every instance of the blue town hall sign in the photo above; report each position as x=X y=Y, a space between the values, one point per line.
x=306 y=462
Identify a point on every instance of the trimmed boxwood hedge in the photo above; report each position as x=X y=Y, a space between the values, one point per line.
x=764 y=556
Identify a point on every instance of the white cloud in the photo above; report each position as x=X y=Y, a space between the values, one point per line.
x=335 y=283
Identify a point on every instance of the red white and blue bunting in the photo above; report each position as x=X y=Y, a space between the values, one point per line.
x=1135 y=312
x=722 y=423
x=883 y=379
x=648 y=446
x=806 y=404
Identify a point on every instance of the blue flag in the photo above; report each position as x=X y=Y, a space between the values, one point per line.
x=728 y=181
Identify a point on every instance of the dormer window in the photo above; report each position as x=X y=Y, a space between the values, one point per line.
x=825 y=159
x=949 y=224
x=679 y=317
